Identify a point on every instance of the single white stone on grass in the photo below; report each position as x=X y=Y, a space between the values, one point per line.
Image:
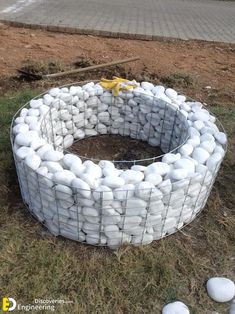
x=200 y=155
x=220 y=289
x=64 y=177
x=132 y=177
x=175 y=308
x=81 y=187
x=220 y=137
x=170 y=158
x=33 y=161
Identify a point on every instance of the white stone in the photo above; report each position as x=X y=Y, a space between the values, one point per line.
x=64 y=177
x=52 y=166
x=142 y=239
x=147 y=85
x=70 y=159
x=147 y=191
x=186 y=149
x=20 y=128
x=171 y=93
x=154 y=178
x=33 y=161
x=52 y=155
x=208 y=146
x=220 y=289
x=161 y=168
x=213 y=161
x=90 y=180
x=68 y=141
x=138 y=168
x=62 y=191
x=77 y=169
x=81 y=187
x=175 y=308
x=94 y=170
x=132 y=177
x=24 y=151
x=43 y=149
x=200 y=155
x=134 y=206
x=170 y=158
x=220 y=137
x=113 y=182
x=186 y=164
x=125 y=192
x=103 y=194
x=178 y=174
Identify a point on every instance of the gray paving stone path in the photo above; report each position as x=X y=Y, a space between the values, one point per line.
x=210 y=20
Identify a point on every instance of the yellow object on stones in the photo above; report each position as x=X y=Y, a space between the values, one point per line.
x=118 y=84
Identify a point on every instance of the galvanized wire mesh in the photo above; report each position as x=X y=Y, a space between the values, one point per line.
x=111 y=217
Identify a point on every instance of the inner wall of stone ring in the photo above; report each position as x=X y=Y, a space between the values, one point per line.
x=154 y=121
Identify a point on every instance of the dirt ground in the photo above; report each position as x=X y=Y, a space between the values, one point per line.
x=205 y=69
x=123 y=149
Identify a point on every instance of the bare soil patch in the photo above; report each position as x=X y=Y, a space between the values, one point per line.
x=186 y=65
x=115 y=148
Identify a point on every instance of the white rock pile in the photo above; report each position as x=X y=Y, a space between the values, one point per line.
x=98 y=203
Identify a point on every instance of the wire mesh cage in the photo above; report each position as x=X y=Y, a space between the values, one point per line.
x=111 y=202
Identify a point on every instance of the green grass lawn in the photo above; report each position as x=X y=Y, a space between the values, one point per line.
x=34 y=264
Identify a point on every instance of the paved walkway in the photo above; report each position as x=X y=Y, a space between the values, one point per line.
x=186 y=19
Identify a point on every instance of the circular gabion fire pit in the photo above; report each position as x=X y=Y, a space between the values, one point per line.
x=108 y=203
